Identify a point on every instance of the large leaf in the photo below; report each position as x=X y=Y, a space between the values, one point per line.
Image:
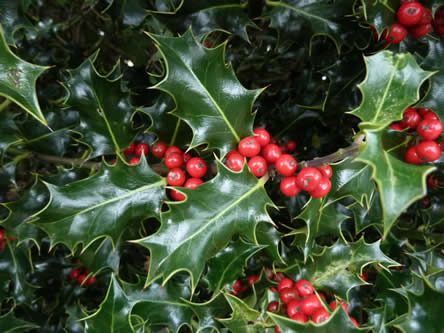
x=102 y=205
x=18 y=80
x=399 y=183
x=104 y=109
x=231 y=203
x=392 y=84
x=206 y=91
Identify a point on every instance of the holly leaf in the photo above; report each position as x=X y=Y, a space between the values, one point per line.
x=206 y=222
x=399 y=183
x=216 y=307
x=391 y=85
x=9 y=133
x=113 y=314
x=102 y=255
x=19 y=79
x=102 y=205
x=10 y=324
x=380 y=13
x=227 y=265
x=161 y=305
x=104 y=109
x=370 y=214
x=208 y=96
x=12 y=18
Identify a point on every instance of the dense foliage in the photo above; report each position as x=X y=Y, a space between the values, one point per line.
x=94 y=239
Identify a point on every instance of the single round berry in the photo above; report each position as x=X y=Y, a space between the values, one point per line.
x=432 y=182
x=158 y=149
x=410 y=13
x=326 y=171
x=320 y=316
x=176 y=196
x=273 y=306
x=300 y=317
x=130 y=149
x=90 y=281
x=293 y=307
x=429 y=129
x=308 y=179
x=291 y=146
x=176 y=177
x=262 y=136
x=134 y=160
x=430 y=115
x=285 y=283
x=287 y=295
x=286 y=165
x=418 y=31
x=271 y=153
x=411 y=156
x=283 y=149
x=196 y=167
x=310 y=305
x=174 y=160
x=428 y=151
x=397 y=34
x=304 y=288
x=81 y=279
x=74 y=275
x=173 y=149
x=237 y=286
x=2 y=234
x=249 y=146
x=231 y=152
x=142 y=148
x=410 y=118
x=322 y=189
x=396 y=127
x=192 y=183
x=235 y=162
x=288 y=186
x=258 y=166
x=252 y=279
x=426 y=17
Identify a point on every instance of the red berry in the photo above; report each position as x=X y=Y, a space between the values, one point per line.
x=252 y=279
x=320 y=316
x=293 y=307
x=428 y=151
x=396 y=127
x=186 y=157
x=291 y=146
x=249 y=146
x=192 y=183
x=263 y=137
x=430 y=115
x=438 y=25
x=174 y=160
x=410 y=118
x=231 y=152
x=288 y=186
x=274 y=141
x=81 y=278
x=91 y=281
x=134 y=160
x=273 y=290
x=196 y=167
x=74 y=274
x=418 y=31
x=334 y=304
x=158 y=149
x=286 y=165
x=285 y=283
x=277 y=329
x=411 y=156
x=353 y=320
x=310 y=305
x=237 y=286
x=426 y=17
x=364 y=276
x=235 y=162
x=142 y=148
x=322 y=189
x=287 y=295
x=173 y=149
x=2 y=234
x=258 y=166
x=429 y=129
x=397 y=34
x=273 y=306
x=326 y=171
x=271 y=153
x=423 y=111
x=300 y=317
x=304 y=288
x=283 y=149
x=176 y=196
x=2 y=244
x=207 y=43
x=308 y=179
x=410 y=13
x=130 y=149
x=432 y=182
x=176 y=177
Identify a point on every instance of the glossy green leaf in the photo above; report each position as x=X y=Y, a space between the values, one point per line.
x=208 y=96
x=104 y=108
x=369 y=214
x=207 y=312
x=113 y=313
x=102 y=205
x=392 y=84
x=10 y=324
x=101 y=255
x=231 y=203
x=381 y=14
x=399 y=183
x=13 y=18
x=9 y=132
x=18 y=80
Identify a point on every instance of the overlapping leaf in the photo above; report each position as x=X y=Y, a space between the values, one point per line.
x=392 y=84
x=9 y=132
x=381 y=14
x=231 y=203
x=10 y=324
x=208 y=96
x=207 y=312
x=13 y=18
x=102 y=205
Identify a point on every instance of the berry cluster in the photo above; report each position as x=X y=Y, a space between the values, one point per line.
x=138 y=150
x=415 y=19
x=79 y=274
x=429 y=127
x=315 y=181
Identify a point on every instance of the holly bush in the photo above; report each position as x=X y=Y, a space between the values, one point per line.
x=95 y=239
